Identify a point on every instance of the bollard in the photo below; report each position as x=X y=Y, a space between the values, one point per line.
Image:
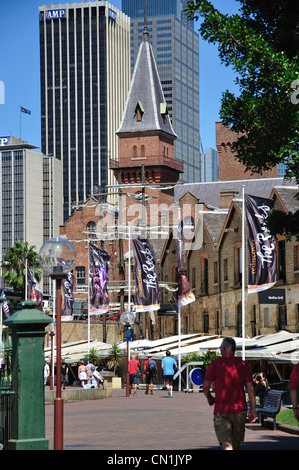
x=28 y=406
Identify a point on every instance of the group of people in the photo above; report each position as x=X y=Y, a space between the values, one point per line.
x=168 y=365
x=232 y=377
x=64 y=373
x=89 y=375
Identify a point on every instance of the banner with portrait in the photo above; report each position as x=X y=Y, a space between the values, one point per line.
x=261 y=245
x=146 y=278
x=185 y=294
x=97 y=280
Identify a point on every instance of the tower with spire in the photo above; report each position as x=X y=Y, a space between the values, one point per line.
x=146 y=136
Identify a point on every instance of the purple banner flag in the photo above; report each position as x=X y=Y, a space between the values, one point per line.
x=97 y=281
x=185 y=294
x=67 y=311
x=34 y=289
x=261 y=245
x=146 y=278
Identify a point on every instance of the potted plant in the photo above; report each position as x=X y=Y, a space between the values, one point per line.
x=114 y=361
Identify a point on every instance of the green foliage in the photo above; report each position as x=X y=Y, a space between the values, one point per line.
x=94 y=356
x=261 y=44
x=14 y=265
x=116 y=356
x=206 y=358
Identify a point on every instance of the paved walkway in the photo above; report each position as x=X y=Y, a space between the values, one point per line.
x=157 y=422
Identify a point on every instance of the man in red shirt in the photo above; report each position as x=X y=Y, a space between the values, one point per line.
x=230 y=376
x=134 y=366
x=294 y=388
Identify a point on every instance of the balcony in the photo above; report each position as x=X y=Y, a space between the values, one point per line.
x=149 y=160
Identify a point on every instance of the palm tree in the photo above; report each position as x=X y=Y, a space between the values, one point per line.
x=14 y=265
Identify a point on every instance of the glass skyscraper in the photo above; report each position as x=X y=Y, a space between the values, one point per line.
x=176 y=50
x=85 y=76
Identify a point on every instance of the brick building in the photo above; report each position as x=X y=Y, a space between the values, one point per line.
x=229 y=167
x=215 y=274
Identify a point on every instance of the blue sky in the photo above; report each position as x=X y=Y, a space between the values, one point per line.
x=19 y=71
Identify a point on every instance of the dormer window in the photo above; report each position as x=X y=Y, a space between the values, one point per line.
x=139 y=111
x=163 y=111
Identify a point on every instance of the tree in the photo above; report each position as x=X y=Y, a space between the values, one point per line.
x=14 y=265
x=261 y=44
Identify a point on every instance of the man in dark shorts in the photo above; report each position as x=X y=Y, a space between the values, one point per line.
x=230 y=376
x=150 y=369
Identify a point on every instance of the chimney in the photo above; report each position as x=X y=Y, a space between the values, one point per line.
x=226 y=197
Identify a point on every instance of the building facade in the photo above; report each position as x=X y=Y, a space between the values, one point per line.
x=25 y=195
x=176 y=49
x=84 y=60
x=215 y=273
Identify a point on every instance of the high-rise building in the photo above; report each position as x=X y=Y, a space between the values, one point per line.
x=29 y=204
x=176 y=49
x=85 y=76
x=209 y=166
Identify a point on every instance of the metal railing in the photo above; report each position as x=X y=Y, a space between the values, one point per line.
x=6 y=392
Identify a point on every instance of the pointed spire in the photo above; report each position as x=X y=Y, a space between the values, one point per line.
x=145 y=30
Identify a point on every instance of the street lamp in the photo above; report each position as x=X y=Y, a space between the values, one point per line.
x=57 y=257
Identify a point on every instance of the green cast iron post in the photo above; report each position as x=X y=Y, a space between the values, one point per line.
x=28 y=407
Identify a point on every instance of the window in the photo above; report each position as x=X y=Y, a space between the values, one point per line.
x=134 y=150
x=282 y=260
x=238 y=264
x=215 y=272
x=266 y=317
x=80 y=275
x=296 y=258
x=204 y=275
x=226 y=317
x=91 y=227
x=225 y=270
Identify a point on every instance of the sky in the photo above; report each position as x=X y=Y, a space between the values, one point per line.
x=19 y=71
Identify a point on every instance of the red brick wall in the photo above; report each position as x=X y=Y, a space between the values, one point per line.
x=229 y=167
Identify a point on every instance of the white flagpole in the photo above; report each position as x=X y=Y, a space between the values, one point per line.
x=243 y=274
x=88 y=300
x=129 y=280
x=26 y=280
x=179 y=312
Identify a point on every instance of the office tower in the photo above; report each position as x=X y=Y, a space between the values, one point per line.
x=85 y=76
x=176 y=50
x=24 y=194
x=209 y=166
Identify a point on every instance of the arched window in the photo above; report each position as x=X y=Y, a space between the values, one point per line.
x=134 y=150
x=80 y=275
x=142 y=150
x=91 y=227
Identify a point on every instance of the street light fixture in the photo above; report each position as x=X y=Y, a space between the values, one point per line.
x=57 y=257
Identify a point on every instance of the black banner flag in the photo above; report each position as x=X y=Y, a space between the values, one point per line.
x=97 y=280
x=146 y=278
x=262 y=253
x=67 y=312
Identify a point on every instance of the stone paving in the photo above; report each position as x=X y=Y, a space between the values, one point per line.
x=155 y=423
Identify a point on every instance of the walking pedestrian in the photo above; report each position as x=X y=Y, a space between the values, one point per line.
x=230 y=376
x=83 y=373
x=150 y=369
x=134 y=367
x=169 y=366
x=46 y=372
x=64 y=373
x=294 y=388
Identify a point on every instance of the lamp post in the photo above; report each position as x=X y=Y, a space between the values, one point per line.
x=57 y=257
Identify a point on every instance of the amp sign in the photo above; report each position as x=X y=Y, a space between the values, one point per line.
x=54 y=14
